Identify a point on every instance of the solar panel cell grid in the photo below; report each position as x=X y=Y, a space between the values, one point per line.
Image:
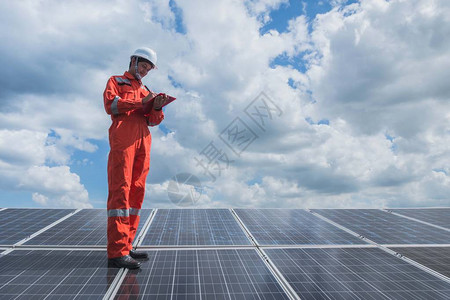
x=195 y=227
x=435 y=258
x=352 y=273
x=87 y=227
x=202 y=274
x=18 y=224
x=385 y=228
x=40 y=274
x=436 y=216
x=292 y=227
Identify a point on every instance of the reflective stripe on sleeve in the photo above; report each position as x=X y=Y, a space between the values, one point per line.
x=114 y=108
x=135 y=211
x=123 y=80
x=118 y=212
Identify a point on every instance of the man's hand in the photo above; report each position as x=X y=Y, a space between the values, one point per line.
x=148 y=98
x=160 y=100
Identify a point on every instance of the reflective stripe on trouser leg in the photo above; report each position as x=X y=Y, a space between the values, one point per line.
x=135 y=211
x=118 y=213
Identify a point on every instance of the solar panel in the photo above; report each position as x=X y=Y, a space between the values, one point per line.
x=435 y=258
x=87 y=227
x=37 y=274
x=202 y=274
x=19 y=223
x=292 y=227
x=355 y=273
x=436 y=216
x=385 y=228
x=194 y=227
x=318 y=259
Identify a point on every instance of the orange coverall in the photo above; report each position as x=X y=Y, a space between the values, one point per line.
x=129 y=158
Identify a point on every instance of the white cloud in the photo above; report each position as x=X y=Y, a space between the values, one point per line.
x=348 y=163
x=23 y=154
x=262 y=8
x=22 y=147
x=392 y=75
x=40 y=199
x=379 y=66
x=338 y=2
x=55 y=187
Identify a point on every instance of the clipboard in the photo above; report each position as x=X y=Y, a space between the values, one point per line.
x=149 y=105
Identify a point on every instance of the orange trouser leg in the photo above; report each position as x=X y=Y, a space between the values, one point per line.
x=120 y=166
x=137 y=191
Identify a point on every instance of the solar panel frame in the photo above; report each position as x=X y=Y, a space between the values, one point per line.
x=355 y=273
x=385 y=228
x=86 y=228
x=39 y=274
x=20 y=223
x=292 y=227
x=202 y=274
x=194 y=227
x=435 y=216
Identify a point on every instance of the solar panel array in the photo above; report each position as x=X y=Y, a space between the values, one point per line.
x=230 y=254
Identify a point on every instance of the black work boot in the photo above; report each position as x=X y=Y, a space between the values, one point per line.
x=138 y=254
x=124 y=262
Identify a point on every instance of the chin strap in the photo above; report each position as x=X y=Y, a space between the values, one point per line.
x=136 y=73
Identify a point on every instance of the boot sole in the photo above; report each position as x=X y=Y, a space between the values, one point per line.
x=115 y=265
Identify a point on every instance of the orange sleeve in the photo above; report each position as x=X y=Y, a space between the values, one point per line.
x=115 y=103
x=155 y=117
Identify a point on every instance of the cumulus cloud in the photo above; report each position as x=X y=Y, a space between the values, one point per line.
x=381 y=64
x=378 y=66
x=55 y=187
x=23 y=154
x=381 y=138
x=22 y=147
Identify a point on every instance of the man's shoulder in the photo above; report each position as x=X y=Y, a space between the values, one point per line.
x=121 y=80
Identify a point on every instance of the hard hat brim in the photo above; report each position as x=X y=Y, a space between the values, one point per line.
x=144 y=59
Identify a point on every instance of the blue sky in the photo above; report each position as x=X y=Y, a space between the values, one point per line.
x=358 y=94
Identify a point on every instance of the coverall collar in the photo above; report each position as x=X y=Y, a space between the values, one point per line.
x=129 y=76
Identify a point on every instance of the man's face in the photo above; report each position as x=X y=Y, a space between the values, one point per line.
x=143 y=68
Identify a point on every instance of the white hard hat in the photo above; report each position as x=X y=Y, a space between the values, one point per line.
x=146 y=53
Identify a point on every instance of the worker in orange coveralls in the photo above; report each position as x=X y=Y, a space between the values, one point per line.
x=129 y=157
